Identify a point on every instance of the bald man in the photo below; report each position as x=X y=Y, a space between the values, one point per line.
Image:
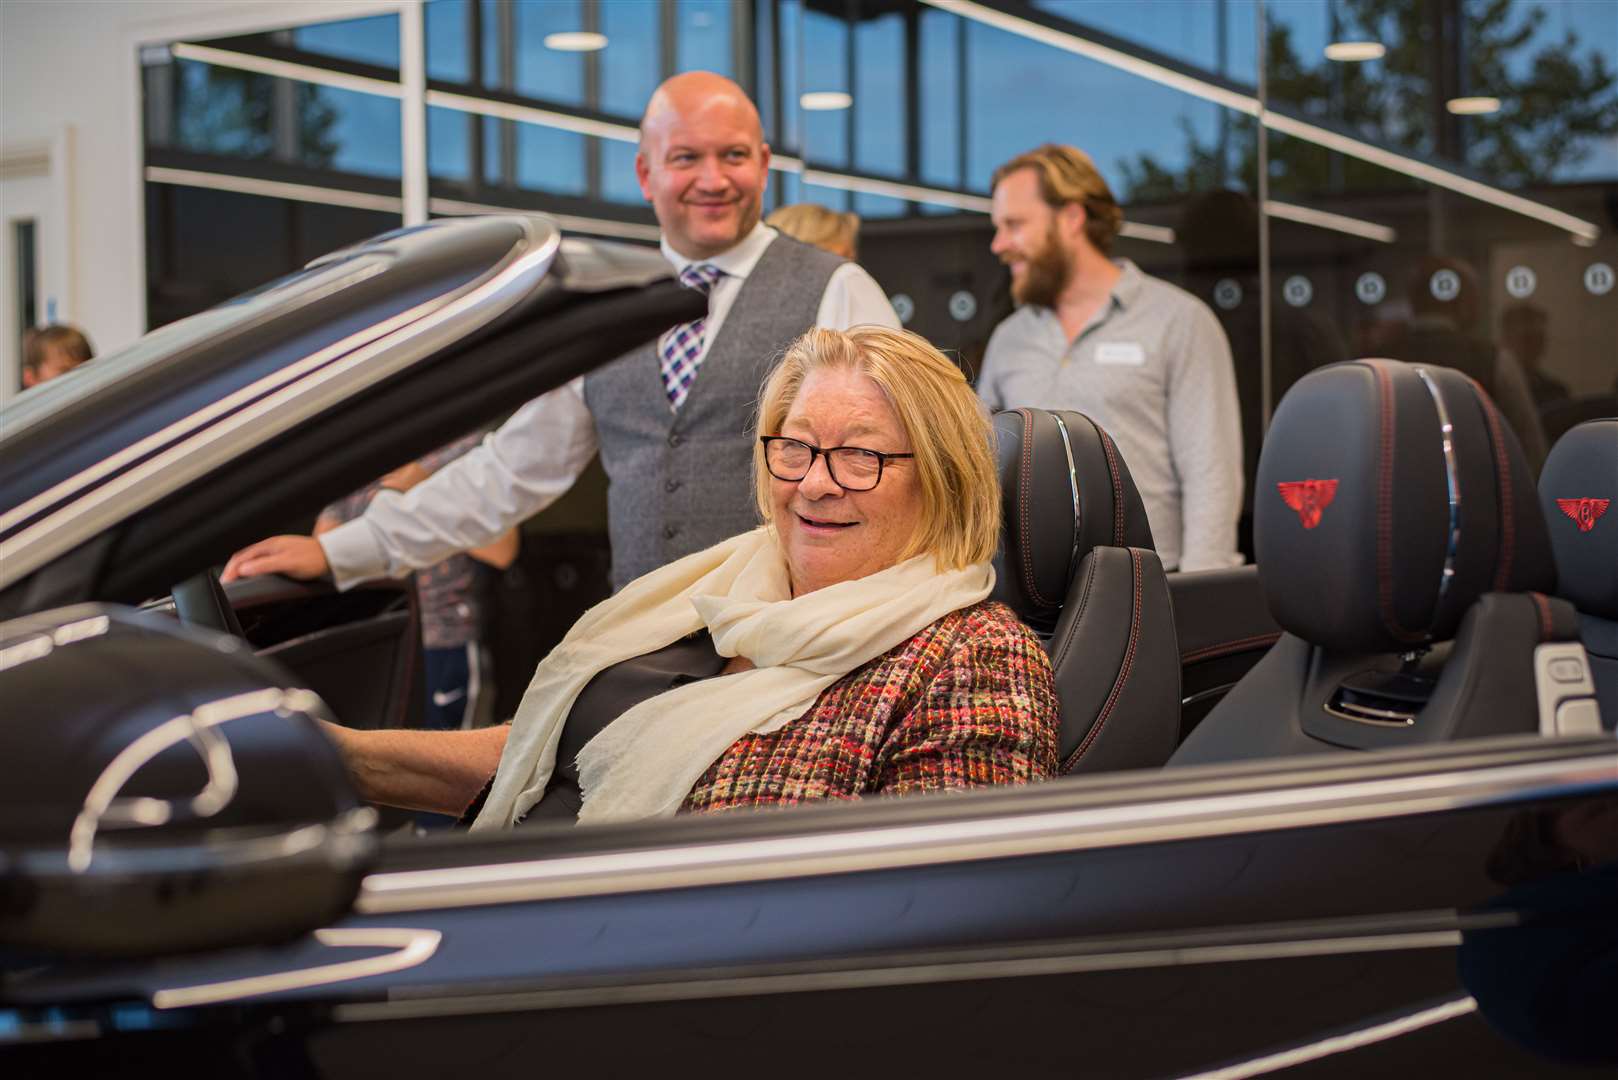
x=670 y=419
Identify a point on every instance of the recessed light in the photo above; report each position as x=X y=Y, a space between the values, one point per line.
x=1355 y=51
x=1473 y=106
x=576 y=41
x=826 y=100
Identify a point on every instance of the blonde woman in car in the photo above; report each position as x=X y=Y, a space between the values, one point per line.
x=846 y=647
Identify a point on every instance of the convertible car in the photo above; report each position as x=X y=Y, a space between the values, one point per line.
x=1354 y=810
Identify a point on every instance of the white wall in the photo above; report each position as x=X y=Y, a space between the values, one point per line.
x=69 y=75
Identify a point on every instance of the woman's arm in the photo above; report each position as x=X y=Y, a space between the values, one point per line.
x=440 y=771
x=990 y=716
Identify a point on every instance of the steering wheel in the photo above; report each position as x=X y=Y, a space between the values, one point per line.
x=200 y=600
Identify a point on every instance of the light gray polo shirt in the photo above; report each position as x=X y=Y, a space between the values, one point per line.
x=1152 y=366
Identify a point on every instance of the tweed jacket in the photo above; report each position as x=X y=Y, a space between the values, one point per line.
x=969 y=701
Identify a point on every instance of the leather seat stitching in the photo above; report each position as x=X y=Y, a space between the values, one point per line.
x=1384 y=506
x=1208 y=652
x=1117 y=487
x=1078 y=616
x=1547 y=627
x=1025 y=479
x=1123 y=671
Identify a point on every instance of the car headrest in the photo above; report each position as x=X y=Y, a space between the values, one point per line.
x=1066 y=490
x=1389 y=497
x=1576 y=491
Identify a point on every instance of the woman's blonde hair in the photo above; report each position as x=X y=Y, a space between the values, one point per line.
x=947 y=427
x=817 y=225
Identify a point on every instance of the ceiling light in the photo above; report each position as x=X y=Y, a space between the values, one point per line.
x=1350 y=52
x=826 y=100
x=576 y=41
x=1473 y=106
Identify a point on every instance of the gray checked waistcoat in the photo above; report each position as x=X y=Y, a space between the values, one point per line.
x=682 y=481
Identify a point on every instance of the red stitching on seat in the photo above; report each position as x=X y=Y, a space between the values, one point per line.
x=1384 y=506
x=1024 y=480
x=1502 y=472
x=1059 y=657
x=1226 y=648
x=1117 y=487
x=1384 y=496
x=1123 y=672
x=1547 y=626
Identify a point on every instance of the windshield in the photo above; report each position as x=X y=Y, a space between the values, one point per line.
x=271 y=301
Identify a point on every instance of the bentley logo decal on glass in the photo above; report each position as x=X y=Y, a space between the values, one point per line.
x=1584 y=512
x=1308 y=498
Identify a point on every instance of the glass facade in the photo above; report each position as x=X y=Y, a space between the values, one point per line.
x=538 y=71
x=449 y=40
x=227 y=113
x=1465 y=172
x=367 y=41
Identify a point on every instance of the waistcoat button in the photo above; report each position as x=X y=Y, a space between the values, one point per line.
x=672 y=485
x=676 y=439
x=670 y=532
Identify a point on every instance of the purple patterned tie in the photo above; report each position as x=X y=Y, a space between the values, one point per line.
x=680 y=350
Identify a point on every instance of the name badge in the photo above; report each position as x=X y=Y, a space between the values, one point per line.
x=1120 y=352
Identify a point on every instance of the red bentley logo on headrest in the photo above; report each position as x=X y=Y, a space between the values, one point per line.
x=1584 y=511
x=1308 y=498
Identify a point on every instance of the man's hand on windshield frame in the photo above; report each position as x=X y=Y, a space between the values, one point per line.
x=299 y=557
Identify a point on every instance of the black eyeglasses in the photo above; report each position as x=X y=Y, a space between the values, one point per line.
x=852 y=468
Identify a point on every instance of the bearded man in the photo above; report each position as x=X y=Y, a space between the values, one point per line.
x=1146 y=360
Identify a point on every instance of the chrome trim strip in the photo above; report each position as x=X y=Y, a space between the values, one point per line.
x=1337 y=1044
x=1204 y=695
x=894 y=847
x=1374 y=717
x=1073 y=486
x=411 y=948
x=406 y=1008
x=1452 y=478
x=412 y=335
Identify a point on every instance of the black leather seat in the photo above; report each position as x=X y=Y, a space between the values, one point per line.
x=1577 y=491
x=1402 y=551
x=1076 y=563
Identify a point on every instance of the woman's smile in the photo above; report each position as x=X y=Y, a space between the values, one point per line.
x=818 y=526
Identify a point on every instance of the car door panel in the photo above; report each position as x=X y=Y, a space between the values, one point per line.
x=1144 y=957
x=359 y=650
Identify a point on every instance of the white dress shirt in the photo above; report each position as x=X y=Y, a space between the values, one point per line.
x=532 y=459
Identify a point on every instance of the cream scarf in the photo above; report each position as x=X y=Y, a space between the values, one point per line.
x=644 y=763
